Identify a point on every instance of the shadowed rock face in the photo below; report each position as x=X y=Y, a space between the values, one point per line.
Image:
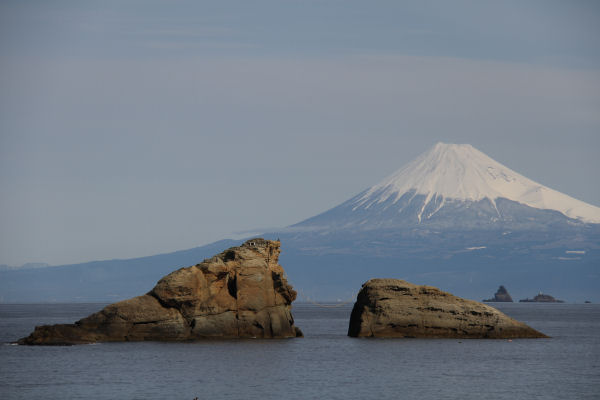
x=396 y=308
x=240 y=293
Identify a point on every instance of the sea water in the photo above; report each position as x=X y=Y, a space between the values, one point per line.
x=325 y=364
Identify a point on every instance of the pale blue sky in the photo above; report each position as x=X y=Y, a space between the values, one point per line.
x=133 y=128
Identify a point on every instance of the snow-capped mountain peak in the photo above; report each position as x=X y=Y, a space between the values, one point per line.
x=461 y=172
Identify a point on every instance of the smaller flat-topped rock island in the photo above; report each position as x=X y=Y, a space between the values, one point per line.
x=541 y=298
x=396 y=308
x=239 y=293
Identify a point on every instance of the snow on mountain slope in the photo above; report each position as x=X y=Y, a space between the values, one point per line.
x=461 y=172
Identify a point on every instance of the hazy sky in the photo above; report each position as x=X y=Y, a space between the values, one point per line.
x=130 y=128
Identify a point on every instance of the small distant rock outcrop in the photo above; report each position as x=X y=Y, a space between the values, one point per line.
x=501 y=296
x=240 y=293
x=396 y=308
x=541 y=298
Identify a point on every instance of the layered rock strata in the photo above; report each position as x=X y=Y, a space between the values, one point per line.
x=396 y=308
x=240 y=293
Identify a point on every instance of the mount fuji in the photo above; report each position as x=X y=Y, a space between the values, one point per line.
x=452 y=218
x=457 y=219
x=454 y=185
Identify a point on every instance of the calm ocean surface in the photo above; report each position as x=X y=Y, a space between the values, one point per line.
x=326 y=364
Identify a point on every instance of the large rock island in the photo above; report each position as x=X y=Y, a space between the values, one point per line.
x=396 y=308
x=501 y=296
x=240 y=293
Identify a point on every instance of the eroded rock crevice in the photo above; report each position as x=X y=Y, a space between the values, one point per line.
x=232 y=286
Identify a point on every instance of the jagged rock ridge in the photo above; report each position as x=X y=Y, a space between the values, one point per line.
x=396 y=308
x=240 y=293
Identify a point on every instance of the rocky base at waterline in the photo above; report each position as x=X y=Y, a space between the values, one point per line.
x=396 y=308
x=240 y=293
